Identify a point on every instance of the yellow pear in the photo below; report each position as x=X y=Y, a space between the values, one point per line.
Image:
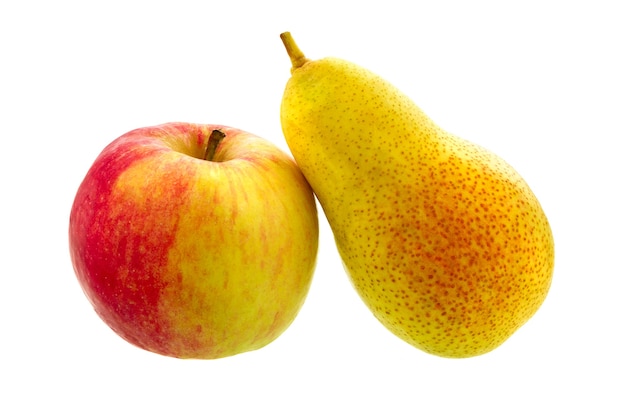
x=443 y=240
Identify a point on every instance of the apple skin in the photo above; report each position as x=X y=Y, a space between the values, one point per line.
x=192 y=258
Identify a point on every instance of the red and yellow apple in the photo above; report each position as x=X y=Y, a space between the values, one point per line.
x=194 y=241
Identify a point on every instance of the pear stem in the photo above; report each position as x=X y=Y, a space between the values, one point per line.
x=295 y=54
x=214 y=140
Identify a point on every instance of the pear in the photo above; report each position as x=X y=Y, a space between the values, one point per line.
x=443 y=240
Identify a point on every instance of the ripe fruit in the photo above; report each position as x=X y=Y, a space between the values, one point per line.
x=194 y=241
x=442 y=239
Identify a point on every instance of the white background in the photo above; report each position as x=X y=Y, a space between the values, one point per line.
x=541 y=83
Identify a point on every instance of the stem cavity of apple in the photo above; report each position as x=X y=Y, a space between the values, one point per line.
x=214 y=140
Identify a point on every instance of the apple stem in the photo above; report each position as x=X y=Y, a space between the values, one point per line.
x=295 y=54
x=214 y=140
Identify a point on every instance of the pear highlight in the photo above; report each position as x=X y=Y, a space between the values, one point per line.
x=442 y=239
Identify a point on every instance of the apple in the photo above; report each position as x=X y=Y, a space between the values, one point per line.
x=194 y=241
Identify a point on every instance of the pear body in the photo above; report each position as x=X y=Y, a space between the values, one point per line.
x=443 y=240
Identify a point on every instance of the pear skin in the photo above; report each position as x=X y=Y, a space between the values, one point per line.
x=443 y=240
